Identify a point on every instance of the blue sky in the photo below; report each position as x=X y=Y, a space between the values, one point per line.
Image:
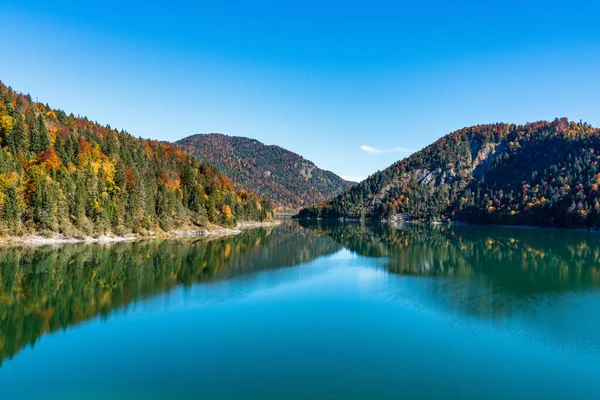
x=352 y=86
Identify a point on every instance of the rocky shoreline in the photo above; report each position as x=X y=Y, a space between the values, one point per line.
x=212 y=232
x=256 y=224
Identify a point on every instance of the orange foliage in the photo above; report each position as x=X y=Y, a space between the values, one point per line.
x=87 y=149
x=226 y=184
x=129 y=178
x=148 y=148
x=49 y=158
x=172 y=183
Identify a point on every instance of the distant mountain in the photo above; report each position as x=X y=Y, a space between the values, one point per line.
x=272 y=172
x=542 y=173
x=65 y=174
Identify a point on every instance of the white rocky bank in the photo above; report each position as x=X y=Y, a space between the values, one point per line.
x=39 y=240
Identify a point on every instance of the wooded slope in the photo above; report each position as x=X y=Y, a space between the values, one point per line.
x=61 y=173
x=272 y=172
x=542 y=173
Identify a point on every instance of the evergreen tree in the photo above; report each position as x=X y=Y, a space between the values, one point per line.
x=35 y=141
x=18 y=135
x=97 y=179
x=43 y=133
x=11 y=207
x=60 y=149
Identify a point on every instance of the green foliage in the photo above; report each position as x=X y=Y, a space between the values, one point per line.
x=504 y=261
x=283 y=177
x=64 y=174
x=543 y=173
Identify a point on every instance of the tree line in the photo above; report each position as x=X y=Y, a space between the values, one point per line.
x=542 y=173
x=67 y=174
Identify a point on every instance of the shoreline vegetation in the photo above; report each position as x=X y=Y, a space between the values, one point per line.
x=213 y=231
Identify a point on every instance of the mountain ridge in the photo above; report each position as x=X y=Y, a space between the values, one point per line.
x=286 y=178
x=541 y=173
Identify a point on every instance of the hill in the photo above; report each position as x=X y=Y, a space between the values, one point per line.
x=61 y=173
x=542 y=173
x=272 y=172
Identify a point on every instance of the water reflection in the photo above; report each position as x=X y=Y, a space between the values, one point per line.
x=50 y=288
x=517 y=275
x=490 y=271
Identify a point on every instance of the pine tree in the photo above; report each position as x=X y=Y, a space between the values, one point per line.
x=18 y=136
x=11 y=208
x=35 y=144
x=71 y=148
x=43 y=134
x=4 y=162
x=60 y=149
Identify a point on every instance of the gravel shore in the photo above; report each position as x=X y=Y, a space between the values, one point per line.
x=39 y=240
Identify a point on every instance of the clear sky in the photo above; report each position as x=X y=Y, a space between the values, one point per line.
x=352 y=86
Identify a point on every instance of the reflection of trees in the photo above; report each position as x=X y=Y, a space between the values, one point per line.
x=503 y=265
x=46 y=289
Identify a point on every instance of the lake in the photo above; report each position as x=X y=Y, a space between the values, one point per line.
x=308 y=309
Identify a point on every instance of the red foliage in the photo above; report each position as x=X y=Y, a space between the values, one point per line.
x=129 y=178
x=49 y=158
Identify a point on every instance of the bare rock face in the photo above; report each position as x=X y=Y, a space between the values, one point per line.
x=484 y=158
x=306 y=170
x=474 y=166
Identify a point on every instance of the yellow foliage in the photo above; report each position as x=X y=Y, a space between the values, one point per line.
x=6 y=124
x=227 y=212
x=227 y=249
x=53 y=133
x=582 y=213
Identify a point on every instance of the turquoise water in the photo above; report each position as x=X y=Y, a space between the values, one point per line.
x=307 y=311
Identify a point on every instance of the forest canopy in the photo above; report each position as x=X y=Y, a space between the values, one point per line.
x=542 y=173
x=287 y=179
x=65 y=174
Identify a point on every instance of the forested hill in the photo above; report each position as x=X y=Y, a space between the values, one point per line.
x=284 y=177
x=59 y=173
x=542 y=173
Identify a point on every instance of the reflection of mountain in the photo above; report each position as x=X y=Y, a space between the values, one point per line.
x=46 y=289
x=502 y=264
